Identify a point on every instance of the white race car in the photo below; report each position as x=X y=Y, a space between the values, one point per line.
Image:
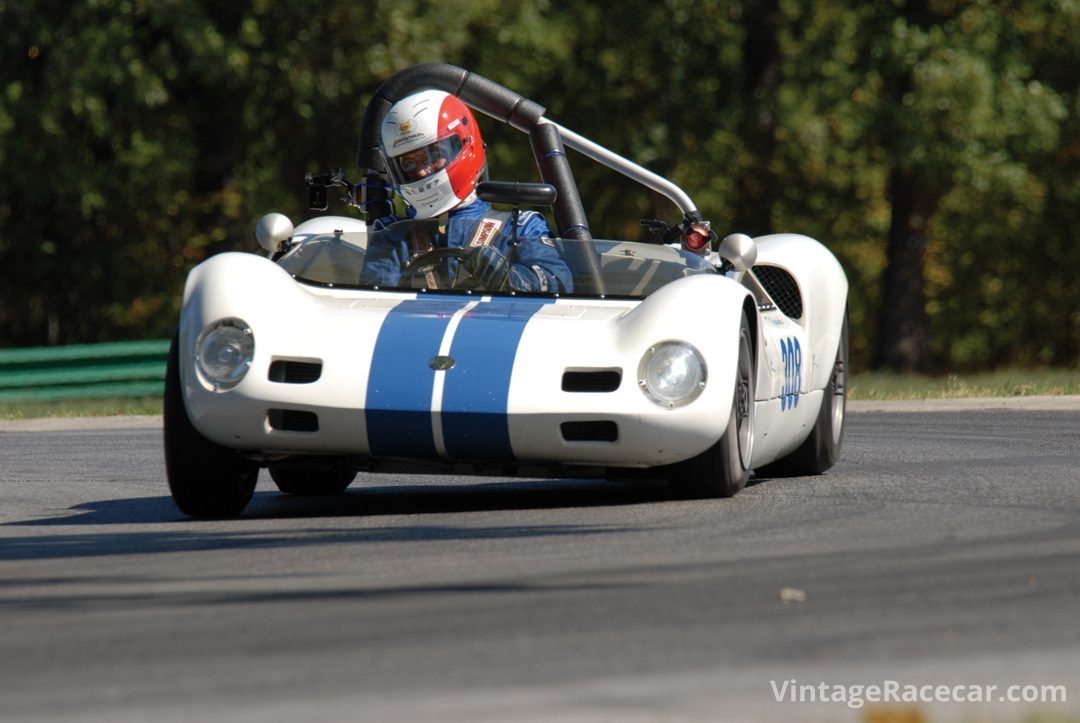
x=696 y=360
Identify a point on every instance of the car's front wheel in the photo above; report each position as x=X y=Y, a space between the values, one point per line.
x=205 y=479
x=723 y=469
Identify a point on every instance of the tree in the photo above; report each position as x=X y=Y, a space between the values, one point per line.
x=931 y=144
x=147 y=136
x=948 y=100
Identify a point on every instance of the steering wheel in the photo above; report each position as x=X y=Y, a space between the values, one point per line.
x=431 y=262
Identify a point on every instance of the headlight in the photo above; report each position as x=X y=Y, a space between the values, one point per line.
x=223 y=353
x=672 y=373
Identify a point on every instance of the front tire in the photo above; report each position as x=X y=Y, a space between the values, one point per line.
x=205 y=479
x=723 y=469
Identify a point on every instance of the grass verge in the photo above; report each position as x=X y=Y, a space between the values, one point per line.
x=81 y=408
x=879 y=386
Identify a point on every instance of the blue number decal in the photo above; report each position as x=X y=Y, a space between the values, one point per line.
x=791 y=354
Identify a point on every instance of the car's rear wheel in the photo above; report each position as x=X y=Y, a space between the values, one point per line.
x=205 y=479
x=723 y=469
x=821 y=450
x=312 y=479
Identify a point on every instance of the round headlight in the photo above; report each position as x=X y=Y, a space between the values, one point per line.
x=672 y=373
x=224 y=351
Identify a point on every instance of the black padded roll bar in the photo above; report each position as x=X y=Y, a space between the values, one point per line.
x=502 y=104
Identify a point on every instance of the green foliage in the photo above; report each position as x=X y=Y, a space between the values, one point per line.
x=137 y=138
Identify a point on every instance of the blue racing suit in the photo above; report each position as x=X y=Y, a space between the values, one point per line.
x=536 y=264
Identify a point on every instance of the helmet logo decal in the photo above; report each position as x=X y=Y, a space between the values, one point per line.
x=406 y=138
x=405 y=126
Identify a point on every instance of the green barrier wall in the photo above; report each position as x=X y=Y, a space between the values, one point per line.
x=84 y=371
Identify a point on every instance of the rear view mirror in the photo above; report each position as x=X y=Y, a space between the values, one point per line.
x=740 y=250
x=513 y=193
x=273 y=229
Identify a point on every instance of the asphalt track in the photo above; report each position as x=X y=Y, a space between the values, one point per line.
x=943 y=550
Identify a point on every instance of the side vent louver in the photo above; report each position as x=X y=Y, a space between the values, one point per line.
x=782 y=287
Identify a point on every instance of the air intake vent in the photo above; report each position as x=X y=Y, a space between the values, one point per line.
x=295 y=372
x=598 y=381
x=292 y=420
x=782 y=288
x=599 y=431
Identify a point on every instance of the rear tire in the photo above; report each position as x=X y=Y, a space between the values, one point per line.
x=298 y=479
x=723 y=469
x=821 y=450
x=205 y=479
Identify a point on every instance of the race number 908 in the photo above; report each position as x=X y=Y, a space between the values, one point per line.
x=791 y=355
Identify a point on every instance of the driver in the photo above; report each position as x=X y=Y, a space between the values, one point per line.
x=436 y=157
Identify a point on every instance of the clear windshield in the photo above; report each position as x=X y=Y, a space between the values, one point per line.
x=413 y=255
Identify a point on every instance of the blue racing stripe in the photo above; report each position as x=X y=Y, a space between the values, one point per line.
x=475 y=398
x=398 y=412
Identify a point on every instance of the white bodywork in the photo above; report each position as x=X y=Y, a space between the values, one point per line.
x=342 y=329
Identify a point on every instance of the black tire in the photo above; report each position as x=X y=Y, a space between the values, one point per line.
x=205 y=479
x=821 y=450
x=723 y=469
x=298 y=479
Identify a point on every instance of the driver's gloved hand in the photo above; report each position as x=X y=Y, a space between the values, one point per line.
x=487 y=265
x=522 y=278
x=485 y=259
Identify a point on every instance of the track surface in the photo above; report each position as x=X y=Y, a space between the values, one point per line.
x=944 y=549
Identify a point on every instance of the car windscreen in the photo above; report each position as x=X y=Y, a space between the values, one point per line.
x=414 y=255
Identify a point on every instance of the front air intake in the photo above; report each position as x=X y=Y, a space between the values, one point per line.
x=293 y=420
x=286 y=371
x=782 y=287
x=590 y=431
x=606 y=380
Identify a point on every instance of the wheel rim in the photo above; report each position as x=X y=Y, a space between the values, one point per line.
x=838 y=385
x=744 y=406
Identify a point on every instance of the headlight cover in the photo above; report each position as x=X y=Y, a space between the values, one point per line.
x=223 y=353
x=672 y=373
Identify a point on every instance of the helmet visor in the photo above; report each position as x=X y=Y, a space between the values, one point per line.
x=420 y=163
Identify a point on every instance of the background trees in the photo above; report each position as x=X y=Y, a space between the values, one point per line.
x=934 y=145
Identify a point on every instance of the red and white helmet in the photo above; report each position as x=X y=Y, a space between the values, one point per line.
x=434 y=150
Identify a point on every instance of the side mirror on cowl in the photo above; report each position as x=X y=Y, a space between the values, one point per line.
x=740 y=250
x=272 y=229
